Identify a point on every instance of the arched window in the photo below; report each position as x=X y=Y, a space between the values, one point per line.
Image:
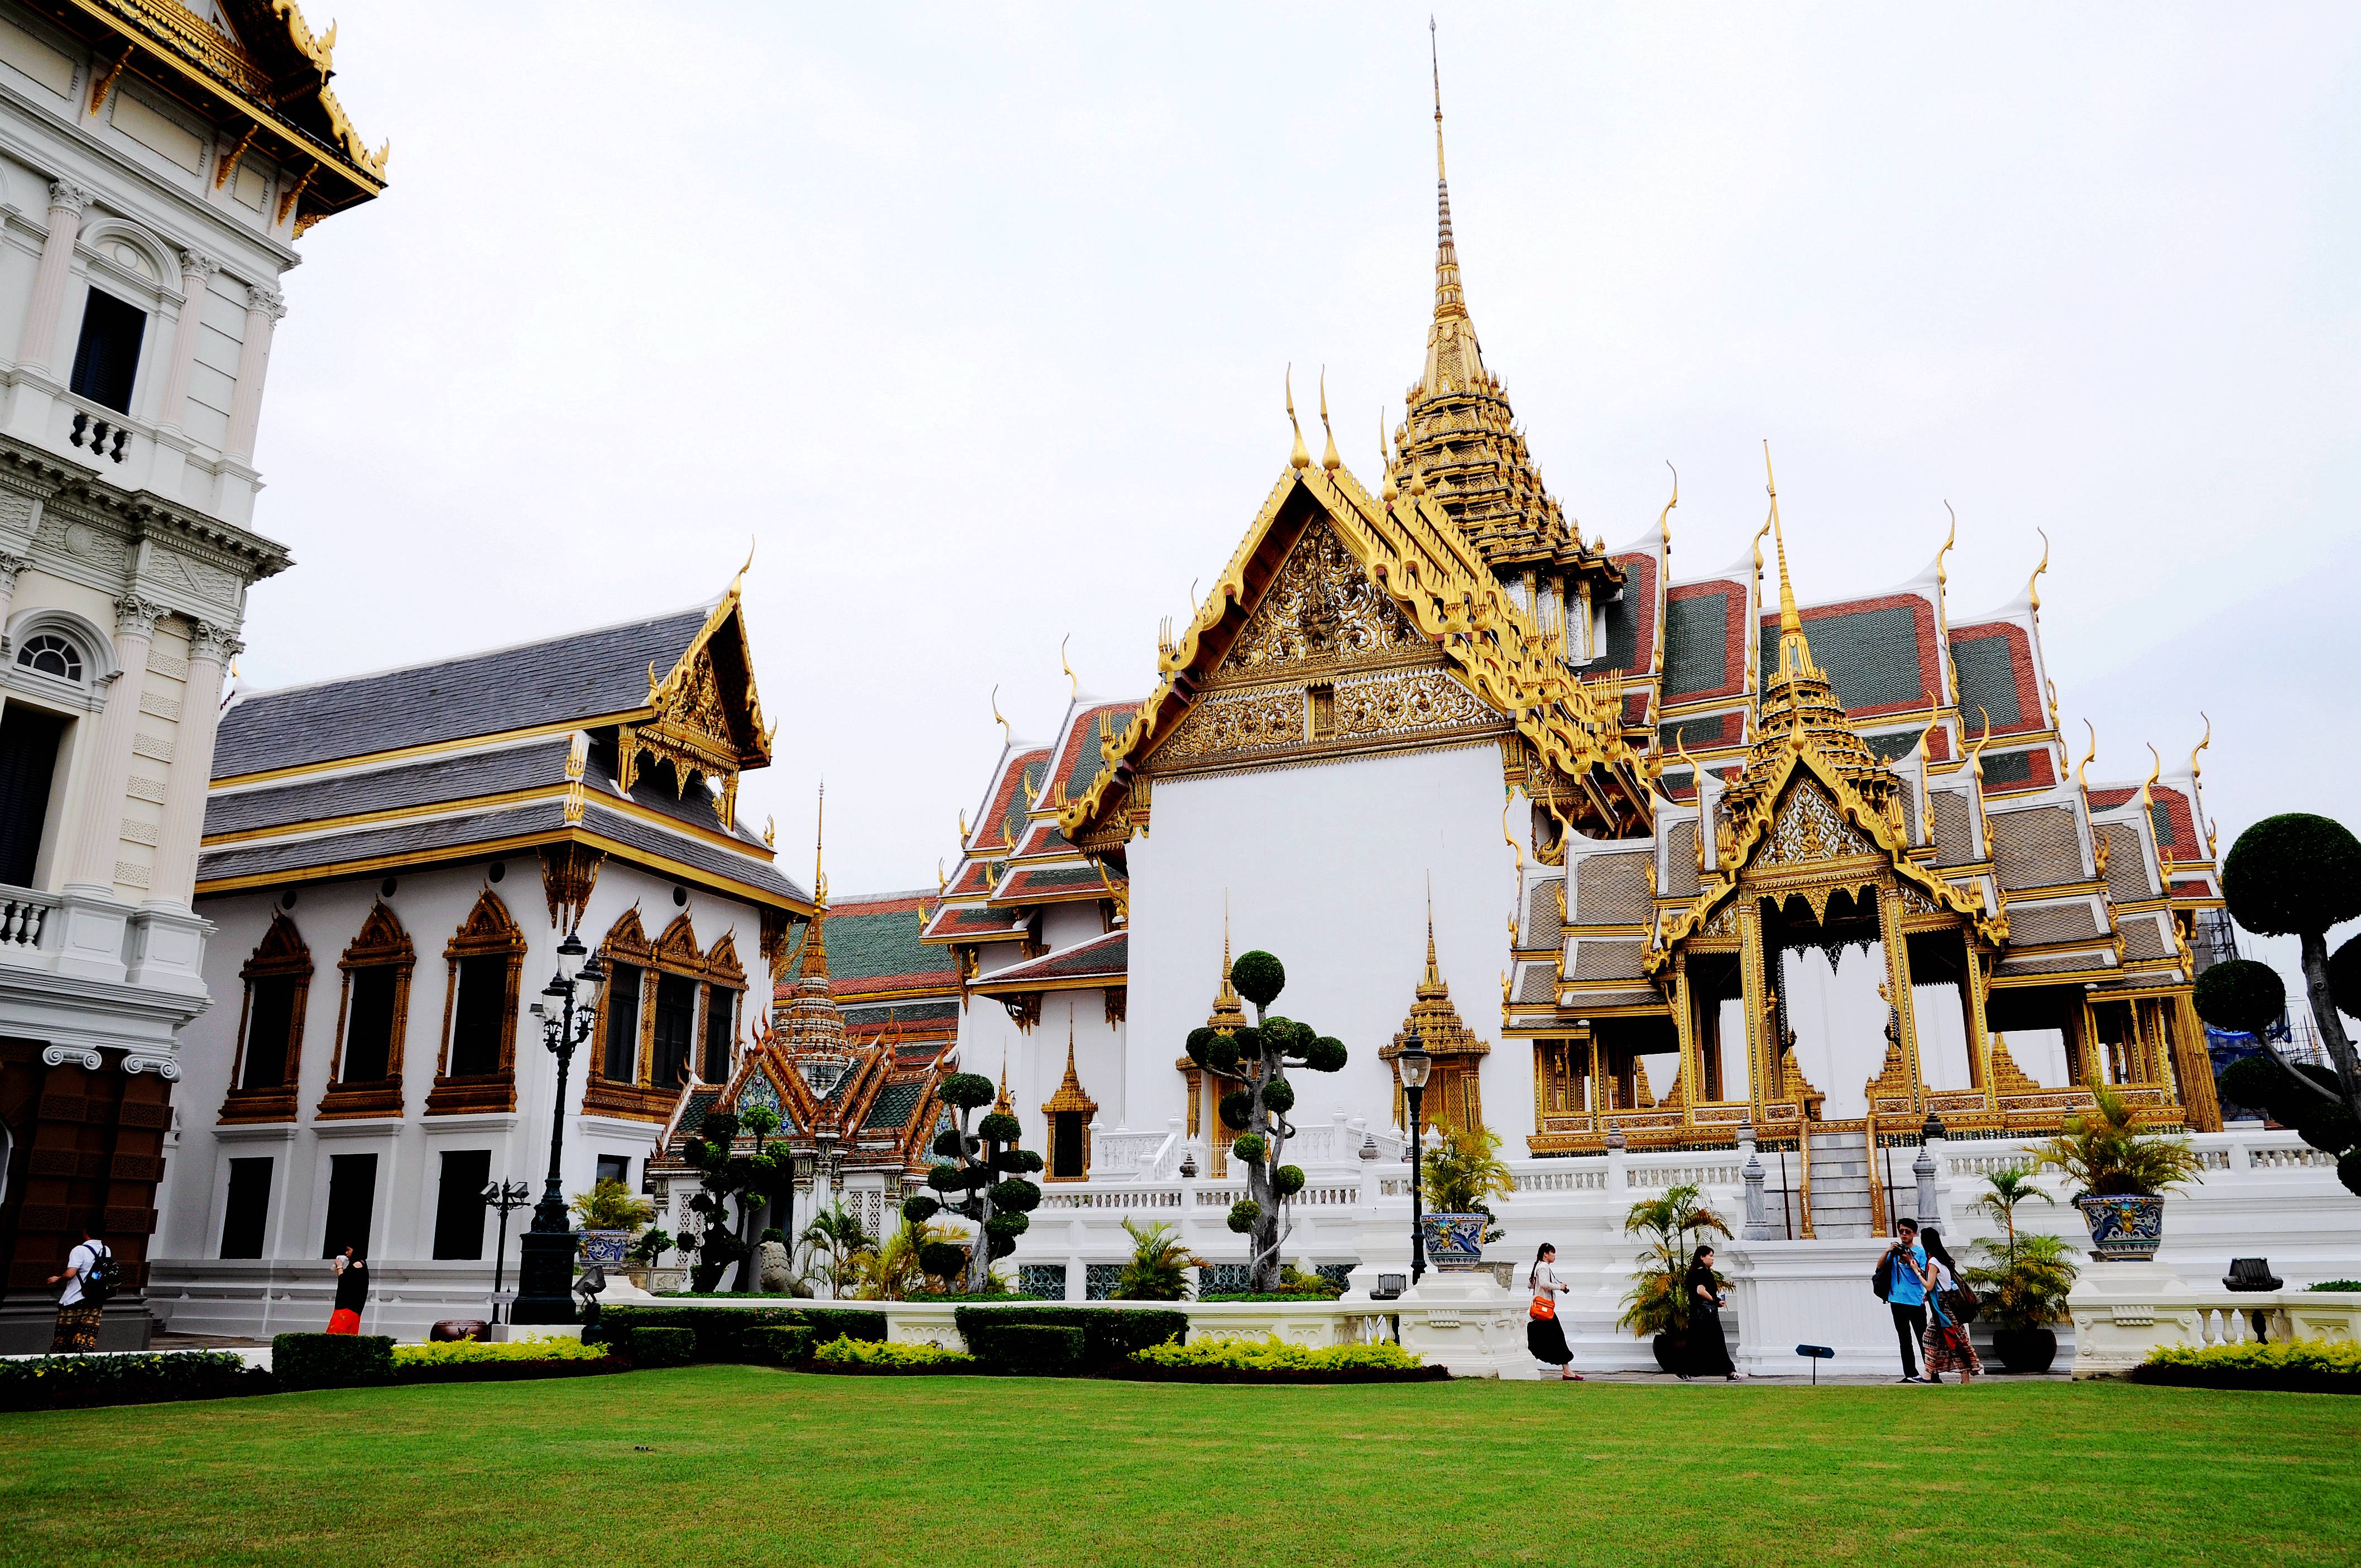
x=270 y=1027
x=48 y=653
x=372 y=1017
x=668 y=1017
x=479 y=1012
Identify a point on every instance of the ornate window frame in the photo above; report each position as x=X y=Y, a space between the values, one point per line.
x=281 y=955
x=100 y=666
x=382 y=944
x=488 y=931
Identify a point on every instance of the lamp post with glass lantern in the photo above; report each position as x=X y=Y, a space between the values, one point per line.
x=1415 y=1063
x=545 y=1269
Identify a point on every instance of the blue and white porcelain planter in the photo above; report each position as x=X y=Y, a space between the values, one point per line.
x=2124 y=1229
x=606 y=1249
x=1453 y=1242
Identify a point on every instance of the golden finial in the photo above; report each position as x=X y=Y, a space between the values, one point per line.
x=1393 y=491
x=1007 y=731
x=2088 y=757
x=1433 y=975
x=1976 y=752
x=743 y=570
x=1072 y=679
x=1949 y=539
x=1329 y=459
x=771 y=832
x=1790 y=619
x=1664 y=518
x=1301 y=457
x=2194 y=773
x=943 y=883
x=2033 y=583
x=820 y=841
x=1510 y=838
x=1435 y=60
x=2146 y=799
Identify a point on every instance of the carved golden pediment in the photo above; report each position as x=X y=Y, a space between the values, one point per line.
x=1321 y=611
x=1808 y=829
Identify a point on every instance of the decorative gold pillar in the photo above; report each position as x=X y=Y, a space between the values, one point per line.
x=1761 y=1051
x=1979 y=1031
x=2201 y=1108
x=1598 y=1086
x=1692 y=1077
x=1897 y=971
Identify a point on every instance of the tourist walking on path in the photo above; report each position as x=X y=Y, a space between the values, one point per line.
x=352 y=1292
x=83 y=1301
x=1545 y=1335
x=1708 y=1357
x=1948 y=1348
x=1901 y=1279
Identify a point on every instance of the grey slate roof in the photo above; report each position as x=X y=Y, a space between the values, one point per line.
x=577 y=677
x=432 y=782
x=704 y=856
x=442 y=833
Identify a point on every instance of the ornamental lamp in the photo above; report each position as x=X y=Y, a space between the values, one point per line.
x=1416 y=1062
x=592 y=972
x=569 y=956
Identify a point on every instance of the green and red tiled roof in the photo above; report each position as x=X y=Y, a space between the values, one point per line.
x=1079 y=763
x=1050 y=884
x=1101 y=958
x=1878 y=652
x=1011 y=793
x=1631 y=617
x=971 y=924
x=1993 y=660
x=1705 y=641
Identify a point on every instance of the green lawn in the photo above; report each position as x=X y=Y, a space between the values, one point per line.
x=722 y=1464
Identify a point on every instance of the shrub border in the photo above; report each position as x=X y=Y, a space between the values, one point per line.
x=2260 y=1379
x=1140 y=1372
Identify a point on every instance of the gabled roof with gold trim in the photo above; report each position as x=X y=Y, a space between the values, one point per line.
x=1439 y=581
x=265 y=79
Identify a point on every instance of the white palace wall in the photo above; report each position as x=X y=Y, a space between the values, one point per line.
x=1328 y=867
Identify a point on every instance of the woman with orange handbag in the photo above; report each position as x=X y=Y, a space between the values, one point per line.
x=1545 y=1335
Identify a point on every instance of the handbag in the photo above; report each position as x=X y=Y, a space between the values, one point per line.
x=1545 y=1307
x=1962 y=1303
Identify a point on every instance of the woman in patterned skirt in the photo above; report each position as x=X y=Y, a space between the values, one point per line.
x=1945 y=1342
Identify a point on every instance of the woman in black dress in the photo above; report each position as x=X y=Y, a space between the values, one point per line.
x=1708 y=1357
x=1545 y=1335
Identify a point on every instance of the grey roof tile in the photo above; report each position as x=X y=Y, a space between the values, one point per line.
x=577 y=677
x=441 y=834
x=432 y=782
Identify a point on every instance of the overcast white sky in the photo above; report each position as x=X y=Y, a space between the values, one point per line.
x=976 y=319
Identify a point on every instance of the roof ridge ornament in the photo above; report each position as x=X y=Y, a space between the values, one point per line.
x=1329 y=460
x=1301 y=457
x=2194 y=773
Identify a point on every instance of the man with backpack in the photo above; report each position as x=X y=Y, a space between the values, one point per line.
x=1900 y=1282
x=89 y=1279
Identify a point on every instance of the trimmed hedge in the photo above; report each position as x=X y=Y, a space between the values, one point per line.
x=1029 y=1349
x=76 y=1382
x=652 y=1346
x=1141 y=1372
x=879 y=1357
x=331 y=1361
x=784 y=1344
x=1110 y=1335
x=720 y=1330
x=2295 y=1366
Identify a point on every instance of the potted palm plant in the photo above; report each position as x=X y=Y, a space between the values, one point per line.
x=2024 y=1277
x=1657 y=1305
x=1159 y=1268
x=610 y=1215
x=1459 y=1179
x=2122 y=1174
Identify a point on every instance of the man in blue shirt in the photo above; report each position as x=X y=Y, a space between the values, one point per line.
x=1906 y=1292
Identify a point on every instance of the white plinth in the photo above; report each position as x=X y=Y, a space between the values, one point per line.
x=1466 y=1322
x=2122 y=1310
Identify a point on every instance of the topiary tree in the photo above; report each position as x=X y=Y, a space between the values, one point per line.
x=980 y=1176
x=753 y=1180
x=2299 y=875
x=1256 y=1059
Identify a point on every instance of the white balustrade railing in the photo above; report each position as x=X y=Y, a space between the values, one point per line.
x=24 y=914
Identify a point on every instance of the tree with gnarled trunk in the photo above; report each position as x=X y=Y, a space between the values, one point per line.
x=1256 y=1058
x=980 y=1175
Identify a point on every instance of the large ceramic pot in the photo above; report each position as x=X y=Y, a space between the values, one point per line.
x=2024 y=1351
x=2123 y=1228
x=1455 y=1242
x=605 y=1248
x=1672 y=1350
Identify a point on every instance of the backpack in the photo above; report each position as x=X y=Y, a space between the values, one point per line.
x=1883 y=1280
x=102 y=1279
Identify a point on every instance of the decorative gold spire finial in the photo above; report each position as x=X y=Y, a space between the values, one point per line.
x=1301 y=457
x=1329 y=459
x=1433 y=974
x=1949 y=539
x=1074 y=680
x=2080 y=768
x=744 y=569
x=1007 y=731
x=2147 y=800
x=1435 y=60
x=1790 y=620
x=1664 y=518
x=2194 y=773
x=814 y=959
x=1976 y=752
x=1393 y=491
x=2033 y=583
x=771 y=832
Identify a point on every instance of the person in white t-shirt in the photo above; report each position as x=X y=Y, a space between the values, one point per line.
x=77 y=1329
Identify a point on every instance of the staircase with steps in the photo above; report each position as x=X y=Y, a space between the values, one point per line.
x=1840 y=1178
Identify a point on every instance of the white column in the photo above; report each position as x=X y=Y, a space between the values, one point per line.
x=37 y=345
x=107 y=774
x=263 y=308
x=210 y=647
x=195 y=271
x=9 y=567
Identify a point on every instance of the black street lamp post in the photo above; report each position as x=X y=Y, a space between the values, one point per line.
x=545 y=1269
x=1415 y=1063
x=506 y=1197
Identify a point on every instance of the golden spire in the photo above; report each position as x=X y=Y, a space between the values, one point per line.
x=814 y=959
x=1450 y=304
x=2033 y=583
x=1229 y=1011
x=2194 y=773
x=1789 y=620
x=1002 y=1104
x=1075 y=680
x=1301 y=457
x=2146 y=800
x=1432 y=985
x=2088 y=758
x=1329 y=460
x=1393 y=491
x=1007 y=731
